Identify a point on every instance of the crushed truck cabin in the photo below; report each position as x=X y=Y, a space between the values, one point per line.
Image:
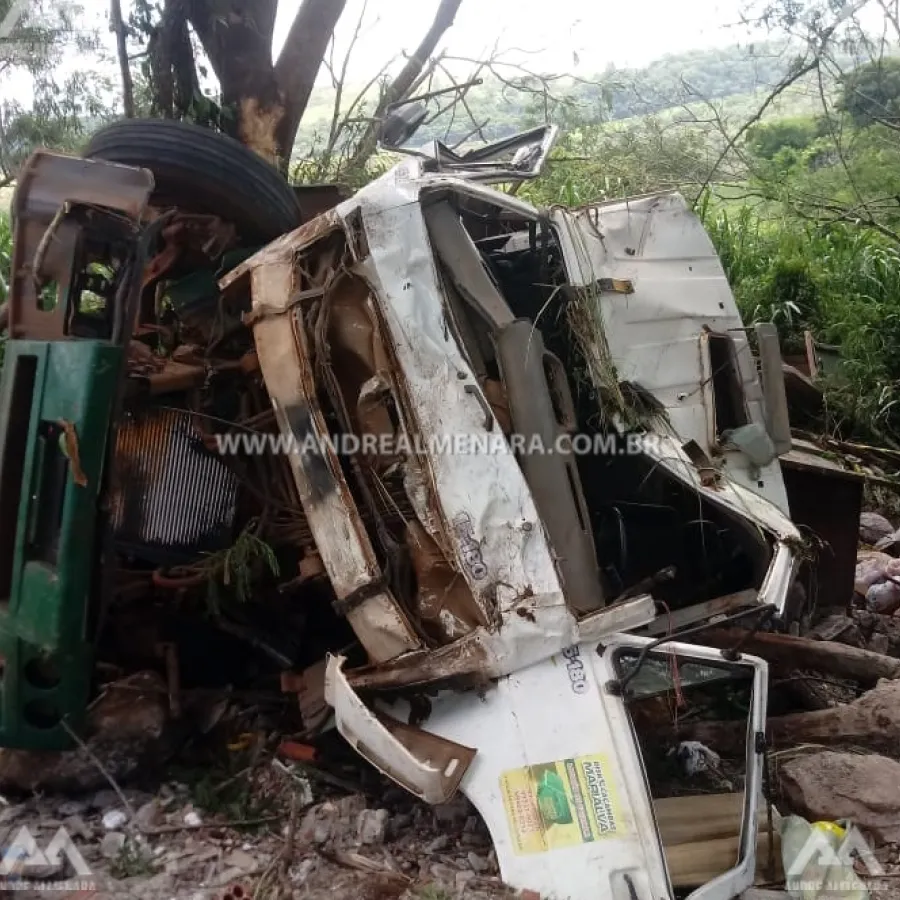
x=565 y=458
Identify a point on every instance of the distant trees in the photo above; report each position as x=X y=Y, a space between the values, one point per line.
x=62 y=107
x=871 y=93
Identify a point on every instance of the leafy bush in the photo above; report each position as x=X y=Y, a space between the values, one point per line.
x=840 y=282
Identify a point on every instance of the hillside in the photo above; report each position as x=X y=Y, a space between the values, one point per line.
x=741 y=73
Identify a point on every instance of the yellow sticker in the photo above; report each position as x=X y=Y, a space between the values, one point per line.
x=560 y=804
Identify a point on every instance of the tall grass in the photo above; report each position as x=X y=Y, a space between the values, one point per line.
x=840 y=282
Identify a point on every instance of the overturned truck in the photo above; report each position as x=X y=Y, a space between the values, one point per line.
x=511 y=456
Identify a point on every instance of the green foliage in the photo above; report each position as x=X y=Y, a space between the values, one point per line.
x=765 y=140
x=598 y=162
x=871 y=92
x=840 y=282
x=65 y=102
x=134 y=859
x=237 y=568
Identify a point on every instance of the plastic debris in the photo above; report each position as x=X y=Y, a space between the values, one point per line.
x=696 y=757
x=114 y=819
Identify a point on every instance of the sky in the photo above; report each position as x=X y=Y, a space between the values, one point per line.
x=555 y=33
x=547 y=35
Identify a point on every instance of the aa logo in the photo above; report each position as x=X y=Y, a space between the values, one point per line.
x=820 y=851
x=24 y=854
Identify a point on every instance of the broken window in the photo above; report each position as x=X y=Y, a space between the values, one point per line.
x=691 y=718
x=727 y=388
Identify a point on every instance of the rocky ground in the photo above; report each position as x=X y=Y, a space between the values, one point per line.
x=346 y=847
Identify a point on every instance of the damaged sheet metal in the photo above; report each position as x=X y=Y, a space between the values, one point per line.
x=495 y=537
x=68 y=213
x=343 y=543
x=656 y=334
x=558 y=776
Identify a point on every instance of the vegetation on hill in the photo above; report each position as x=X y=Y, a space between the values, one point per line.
x=794 y=165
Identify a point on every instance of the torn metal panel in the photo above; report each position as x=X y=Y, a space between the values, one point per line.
x=428 y=766
x=69 y=212
x=281 y=249
x=340 y=536
x=522 y=641
x=655 y=334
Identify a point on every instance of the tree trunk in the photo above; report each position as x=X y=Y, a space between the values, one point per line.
x=118 y=26
x=872 y=721
x=799 y=653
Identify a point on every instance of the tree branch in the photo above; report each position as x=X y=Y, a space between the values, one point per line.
x=400 y=86
x=117 y=25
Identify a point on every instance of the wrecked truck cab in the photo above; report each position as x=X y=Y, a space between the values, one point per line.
x=448 y=329
x=460 y=337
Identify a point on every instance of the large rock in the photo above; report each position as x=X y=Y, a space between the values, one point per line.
x=126 y=729
x=831 y=785
x=873 y=527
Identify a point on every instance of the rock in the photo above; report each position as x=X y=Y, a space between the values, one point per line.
x=318 y=823
x=77 y=827
x=873 y=527
x=889 y=544
x=104 y=800
x=879 y=643
x=477 y=863
x=160 y=885
x=832 y=785
x=114 y=819
x=443 y=873
x=112 y=844
x=462 y=879
x=192 y=819
x=71 y=808
x=454 y=813
x=441 y=842
x=240 y=859
x=149 y=815
x=884 y=597
x=125 y=729
x=371 y=825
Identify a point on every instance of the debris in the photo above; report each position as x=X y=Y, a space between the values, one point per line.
x=696 y=757
x=873 y=527
x=192 y=819
x=126 y=731
x=112 y=844
x=862 y=788
x=371 y=826
x=835 y=877
x=240 y=859
x=801 y=653
x=114 y=819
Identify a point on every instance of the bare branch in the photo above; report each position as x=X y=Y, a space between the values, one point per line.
x=400 y=86
x=117 y=25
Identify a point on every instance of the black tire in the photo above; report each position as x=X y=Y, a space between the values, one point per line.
x=203 y=171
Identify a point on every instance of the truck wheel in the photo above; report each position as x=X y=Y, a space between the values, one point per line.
x=202 y=171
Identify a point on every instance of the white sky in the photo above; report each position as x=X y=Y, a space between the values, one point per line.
x=623 y=32
x=553 y=32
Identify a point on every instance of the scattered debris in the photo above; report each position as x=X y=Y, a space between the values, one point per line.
x=468 y=623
